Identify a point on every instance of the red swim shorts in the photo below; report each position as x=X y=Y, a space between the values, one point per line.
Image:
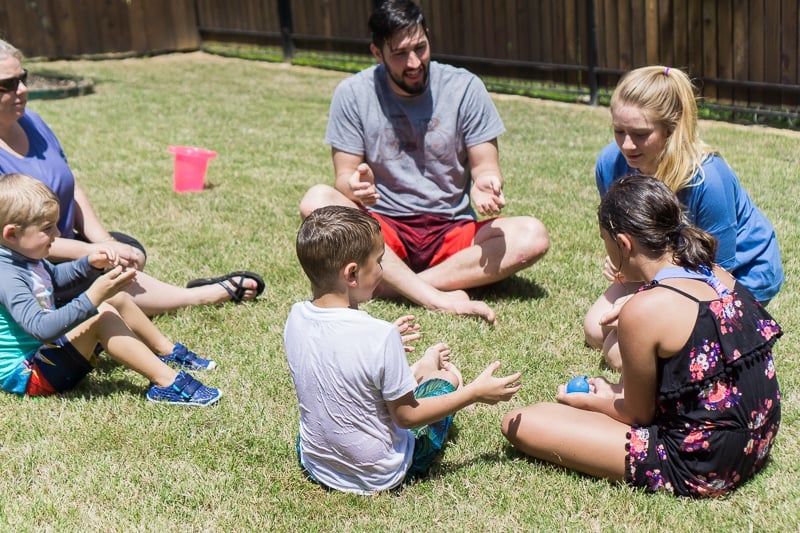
x=423 y=241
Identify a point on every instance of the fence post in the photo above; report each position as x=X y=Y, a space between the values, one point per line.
x=592 y=54
x=285 y=21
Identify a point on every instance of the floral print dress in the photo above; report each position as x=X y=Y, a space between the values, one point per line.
x=718 y=406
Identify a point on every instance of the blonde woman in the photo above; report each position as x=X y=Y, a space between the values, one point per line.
x=654 y=117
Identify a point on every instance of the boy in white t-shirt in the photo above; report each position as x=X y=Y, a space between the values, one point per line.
x=357 y=394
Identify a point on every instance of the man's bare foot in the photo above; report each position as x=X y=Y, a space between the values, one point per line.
x=459 y=303
x=456 y=302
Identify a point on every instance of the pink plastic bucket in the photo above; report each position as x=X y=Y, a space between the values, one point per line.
x=191 y=165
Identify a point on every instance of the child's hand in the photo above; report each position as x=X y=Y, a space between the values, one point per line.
x=115 y=280
x=123 y=254
x=408 y=331
x=489 y=389
x=611 y=273
x=599 y=387
x=103 y=257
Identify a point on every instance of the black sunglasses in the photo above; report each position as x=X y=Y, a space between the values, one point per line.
x=9 y=85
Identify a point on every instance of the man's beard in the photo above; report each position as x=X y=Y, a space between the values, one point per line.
x=413 y=90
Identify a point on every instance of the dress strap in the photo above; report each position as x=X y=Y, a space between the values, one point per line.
x=670 y=287
x=703 y=274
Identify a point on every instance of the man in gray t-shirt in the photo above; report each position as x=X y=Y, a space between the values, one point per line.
x=414 y=143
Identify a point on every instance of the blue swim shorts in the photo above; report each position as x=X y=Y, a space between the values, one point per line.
x=56 y=367
x=429 y=440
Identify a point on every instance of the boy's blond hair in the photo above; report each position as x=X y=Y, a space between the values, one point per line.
x=330 y=238
x=25 y=201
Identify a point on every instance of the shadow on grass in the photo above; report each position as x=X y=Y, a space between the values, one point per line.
x=515 y=288
x=109 y=378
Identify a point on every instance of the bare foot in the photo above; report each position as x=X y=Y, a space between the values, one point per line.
x=250 y=286
x=456 y=302
x=215 y=293
x=459 y=303
x=450 y=367
x=431 y=362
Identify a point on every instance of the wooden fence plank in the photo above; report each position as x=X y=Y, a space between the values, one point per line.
x=651 y=33
x=741 y=48
x=571 y=40
x=709 y=53
x=666 y=34
x=789 y=50
x=611 y=37
x=694 y=49
x=637 y=34
x=624 y=36
x=724 y=48
x=756 y=37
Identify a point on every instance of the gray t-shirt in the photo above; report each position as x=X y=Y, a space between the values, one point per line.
x=416 y=146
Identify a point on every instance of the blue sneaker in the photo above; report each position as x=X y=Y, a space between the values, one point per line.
x=182 y=357
x=185 y=390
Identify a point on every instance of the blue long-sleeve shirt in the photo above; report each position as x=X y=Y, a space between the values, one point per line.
x=716 y=202
x=28 y=316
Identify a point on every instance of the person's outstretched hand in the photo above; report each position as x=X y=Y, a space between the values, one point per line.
x=487 y=195
x=362 y=185
x=115 y=280
x=489 y=389
x=409 y=331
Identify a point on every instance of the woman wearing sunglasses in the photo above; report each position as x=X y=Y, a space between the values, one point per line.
x=28 y=146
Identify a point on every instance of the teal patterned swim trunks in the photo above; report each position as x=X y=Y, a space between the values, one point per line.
x=429 y=439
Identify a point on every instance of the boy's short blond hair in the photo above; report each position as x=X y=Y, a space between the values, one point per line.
x=26 y=201
x=330 y=238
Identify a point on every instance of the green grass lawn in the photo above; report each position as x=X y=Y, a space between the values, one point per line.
x=101 y=458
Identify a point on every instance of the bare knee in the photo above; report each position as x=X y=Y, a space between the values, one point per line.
x=532 y=239
x=592 y=330
x=121 y=300
x=518 y=422
x=611 y=351
x=108 y=314
x=450 y=377
x=320 y=196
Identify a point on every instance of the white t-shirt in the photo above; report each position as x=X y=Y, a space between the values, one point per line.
x=346 y=365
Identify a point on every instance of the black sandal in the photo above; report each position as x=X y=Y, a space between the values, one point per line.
x=237 y=293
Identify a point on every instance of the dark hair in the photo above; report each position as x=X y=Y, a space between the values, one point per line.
x=331 y=237
x=647 y=210
x=392 y=16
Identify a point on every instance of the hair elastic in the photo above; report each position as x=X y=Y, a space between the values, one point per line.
x=666 y=71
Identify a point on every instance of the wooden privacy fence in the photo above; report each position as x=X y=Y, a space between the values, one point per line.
x=742 y=52
x=69 y=28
